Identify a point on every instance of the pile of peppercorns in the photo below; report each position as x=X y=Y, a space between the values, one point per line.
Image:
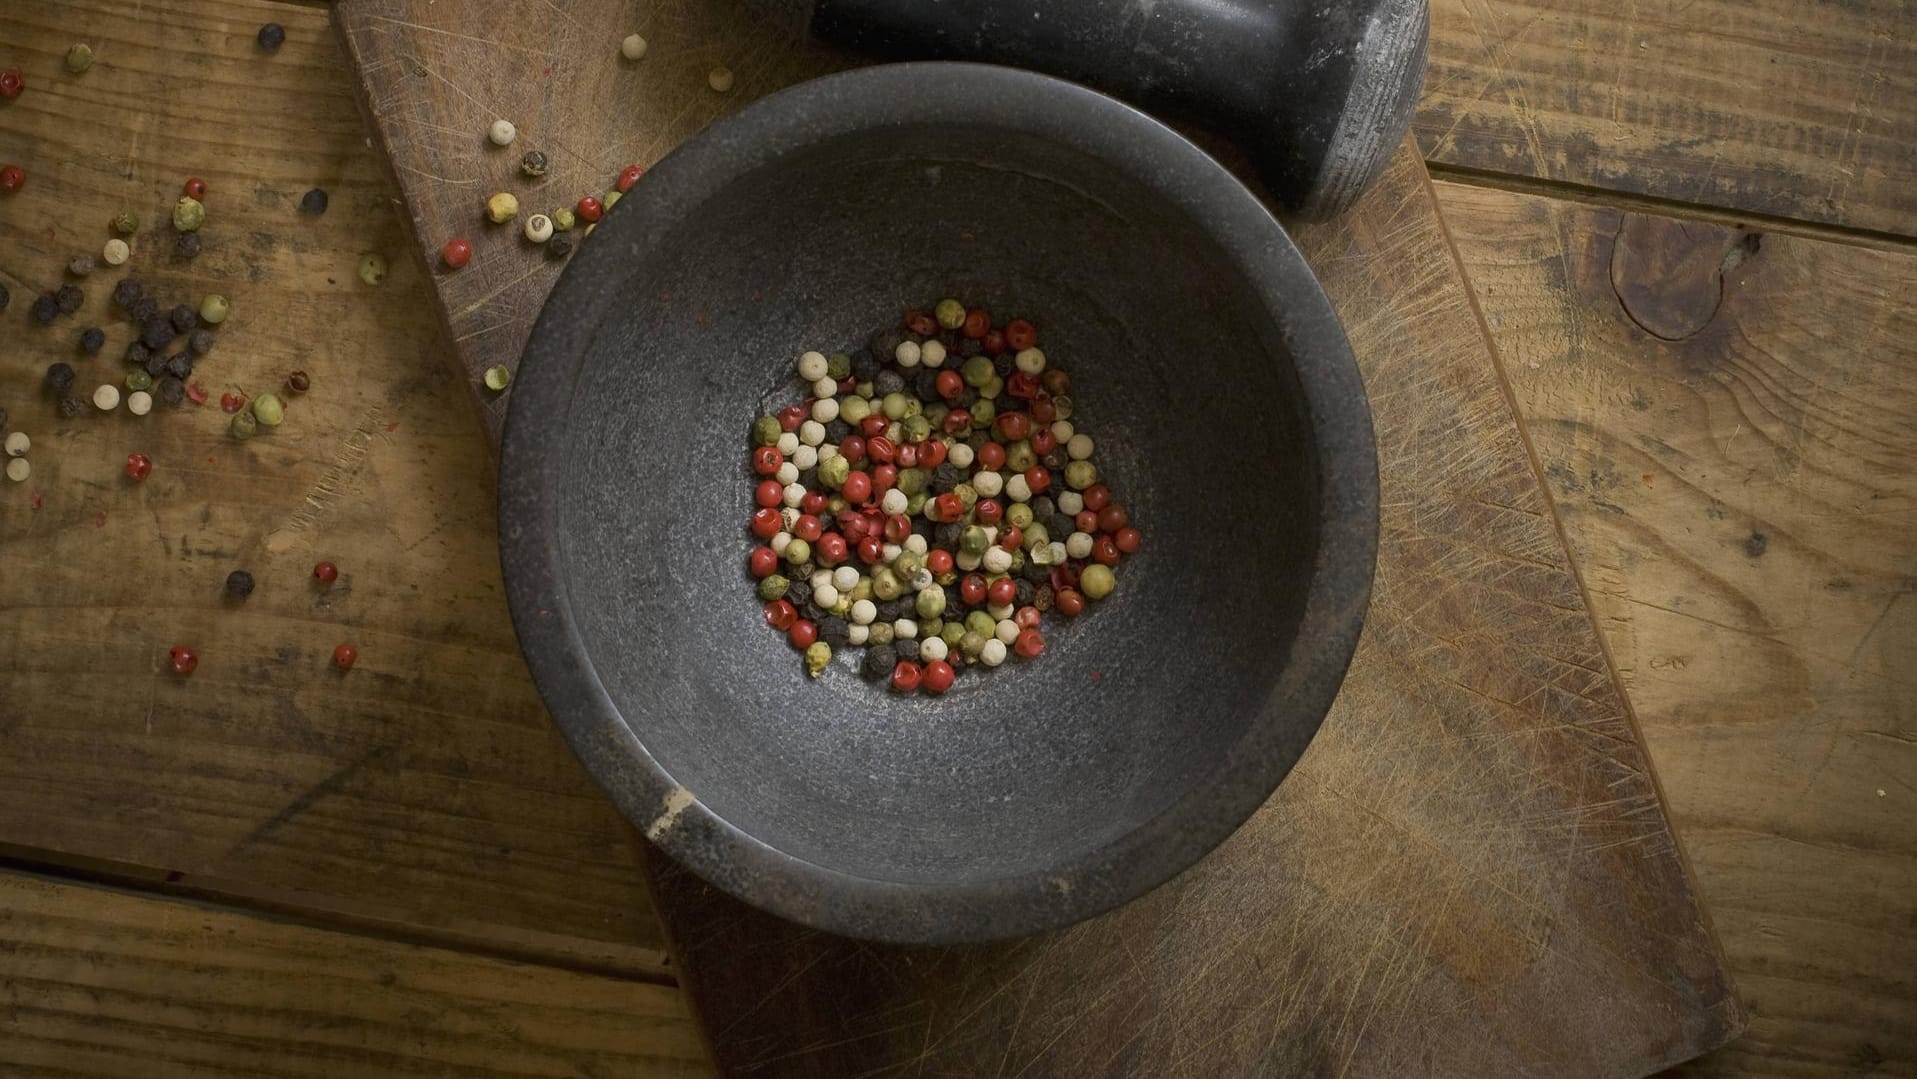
x=931 y=501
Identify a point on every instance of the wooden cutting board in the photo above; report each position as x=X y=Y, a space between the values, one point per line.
x=1470 y=872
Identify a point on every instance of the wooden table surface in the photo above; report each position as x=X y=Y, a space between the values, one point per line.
x=1684 y=229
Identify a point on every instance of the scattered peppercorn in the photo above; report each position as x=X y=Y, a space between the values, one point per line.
x=139 y=379
x=239 y=584
x=720 y=78
x=11 y=83
x=200 y=342
x=243 y=425
x=82 y=265
x=558 y=247
x=502 y=207
x=184 y=318
x=126 y=222
x=145 y=309
x=115 y=252
x=563 y=219
x=187 y=245
x=272 y=36
x=633 y=47
x=538 y=228
x=590 y=209
x=157 y=332
x=497 y=377
x=534 y=163
x=214 y=309
x=182 y=659
x=457 y=253
x=345 y=656
x=59 y=377
x=138 y=466
x=325 y=572
x=188 y=214
x=12 y=177
x=69 y=298
x=268 y=410
x=298 y=383
x=139 y=402
x=313 y=202
x=71 y=406
x=45 y=309
x=92 y=340
x=628 y=176
x=79 y=58
x=169 y=391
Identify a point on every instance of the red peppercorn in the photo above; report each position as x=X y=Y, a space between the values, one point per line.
x=1112 y=518
x=956 y=421
x=1010 y=538
x=937 y=678
x=1021 y=386
x=932 y=453
x=857 y=488
x=1105 y=551
x=990 y=457
x=920 y=323
x=766 y=522
x=627 y=177
x=768 y=493
x=1064 y=577
x=1043 y=410
x=1086 y=521
x=871 y=549
x=232 y=402
x=906 y=676
x=766 y=460
x=182 y=658
x=948 y=507
x=11 y=83
x=763 y=562
x=1039 y=479
x=939 y=562
x=1014 y=426
x=908 y=455
x=803 y=633
x=978 y=323
x=897 y=527
x=995 y=342
x=780 y=614
x=325 y=572
x=1096 y=497
x=11 y=177
x=590 y=210
x=344 y=657
x=1029 y=644
x=881 y=449
x=196 y=393
x=1043 y=441
x=884 y=478
x=1068 y=603
x=1020 y=335
x=848 y=384
x=1002 y=591
x=1027 y=618
x=873 y=425
x=791 y=418
x=194 y=187
x=1056 y=382
x=1128 y=540
x=950 y=385
x=852 y=448
x=813 y=503
x=138 y=465
x=832 y=549
x=457 y=253
x=853 y=524
x=988 y=511
x=808 y=528
x=973 y=590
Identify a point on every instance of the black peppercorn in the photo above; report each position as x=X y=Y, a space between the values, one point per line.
x=946 y=476
x=155 y=364
x=1026 y=593
x=71 y=406
x=1003 y=364
x=558 y=247
x=1042 y=598
x=804 y=571
x=888 y=382
x=180 y=365
x=836 y=431
x=272 y=36
x=144 y=308
x=967 y=398
x=298 y=382
x=879 y=661
x=834 y=631
x=1060 y=526
x=157 y=332
x=971 y=347
x=185 y=319
x=83 y=265
x=313 y=202
x=926 y=386
x=884 y=345
x=864 y=367
x=1043 y=507
x=45 y=309
x=891 y=610
x=798 y=591
x=169 y=391
x=1057 y=459
x=810 y=477
x=948 y=535
x=187 y=245
x=533 y=163
x=60 y=377
x=127 y=292
x=906 y=649
x=69 y=299
x=92 y=340
x=239 y=584
x=138 y=353
x=200 y=341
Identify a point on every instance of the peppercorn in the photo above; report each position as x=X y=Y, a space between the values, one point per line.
x=612 y=199
x=187 y=245
x=188 y=214
x=12 y=177
x=169 y=391
x=271 y=36
x=720 y=79
x=106 y=397
x=313 y=202
x=558 y=247
x=907 y=649
x=92 y=340
x=79 y=58
x=633 y=47
x=563 y=219
x=502 y=207
x=200 y=342
x=497 y=376
x=69 y=298
x=82 y=265
x=502 y=133
x=144 y=309
x=184 y=318
x=127 y=292
x=182 y=659
x=138 y=379
x=59 y=377
x=372 y=268
x=239 y=584
x=298 y=383
x=138 y=466
x=214 y=309
x=835 y=631
x=11 y=83
x=71 y=406
x=268 y=410
x=345 y=656
x=244 y=424
x=17 y=443
x=590 y=209
x=534 y=163
x=154 y=364
x=157 y=332
x=457 y=253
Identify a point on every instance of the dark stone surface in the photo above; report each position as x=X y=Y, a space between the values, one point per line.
x=1030 y=796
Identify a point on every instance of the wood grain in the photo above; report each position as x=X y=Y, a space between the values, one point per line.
x=1773 y=107
x=98 y=982
x=1734 y=456
x=426 y=788
x=1468 y=874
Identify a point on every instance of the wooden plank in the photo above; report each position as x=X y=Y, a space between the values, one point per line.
x=99 y=982
x=1728 y=421
x=426 y=787
x=1468 y=874
x=1773 y=107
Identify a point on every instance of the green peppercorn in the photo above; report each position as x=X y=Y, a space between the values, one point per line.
x=915 y=503
x=798 y=551
x=607 y=202
x=972 y=644
x=967 y=493
x=913 y=407
x=372 y=268
x=188 y=214
x=951 y=632
x=908 y=563
x=854 y=409
x=79 y=58
x=1035 y=534
x=886 y=585
x=977 y=371
x=1080 y=474
x=214 y=309
x=911 y=481
x=1097 y=581
x=838 y=366
x=498 y=377
x=1019 y=456
x=973 y=540
x=982 y=414
x=993 y=388
x=563 y=219
x=893 y=406
x=1020 y=515
x=126 y=222
x=916 y=428
x=950 y=313
x=268 y=410
x=244 y=424
x=880 y=633
x=864 y=389
x=862 y=590
x=980 y=622
x=138 y=379
x=935 y=413
x=766 y=431
x=834 y=470
x=773 y=587
x=817 y=655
